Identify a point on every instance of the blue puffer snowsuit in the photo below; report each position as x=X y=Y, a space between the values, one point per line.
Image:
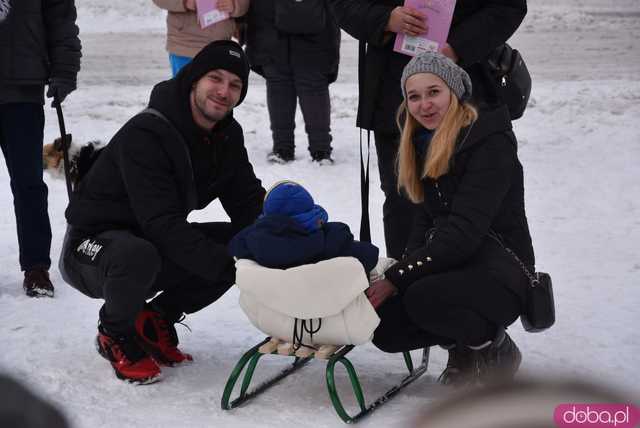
x=278 y=241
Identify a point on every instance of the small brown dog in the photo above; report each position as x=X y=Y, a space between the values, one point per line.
x=80 y=158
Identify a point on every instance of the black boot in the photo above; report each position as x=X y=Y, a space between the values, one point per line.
x=499 y=360
x=459 y=366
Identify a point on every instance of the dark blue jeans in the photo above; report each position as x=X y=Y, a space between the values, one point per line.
x=21 y=134
x=286 y=85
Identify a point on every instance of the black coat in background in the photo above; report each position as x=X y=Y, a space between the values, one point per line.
x=38 y=41
x=482 y=192
x=478 y=27
x=148 y=181
x=267 y=45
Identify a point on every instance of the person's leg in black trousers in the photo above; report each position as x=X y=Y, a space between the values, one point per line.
x=465 y=311
x=467 y=306
x=312 y=88
x=397 y=210
x=120 y=268
x=116 y=266
x=183 y=292
x=281 y=103
x=21 y=134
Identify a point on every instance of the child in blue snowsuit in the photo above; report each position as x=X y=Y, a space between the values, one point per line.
x=293 y=231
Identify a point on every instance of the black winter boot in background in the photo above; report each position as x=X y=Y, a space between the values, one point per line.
x=37 y=283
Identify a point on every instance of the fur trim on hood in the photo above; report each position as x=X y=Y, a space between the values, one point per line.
x=4 y=9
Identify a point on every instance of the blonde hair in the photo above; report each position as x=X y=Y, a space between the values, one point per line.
x=440 y=151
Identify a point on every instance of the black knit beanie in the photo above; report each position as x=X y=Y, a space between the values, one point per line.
x=220 y=54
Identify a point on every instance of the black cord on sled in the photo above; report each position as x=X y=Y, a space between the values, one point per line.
x=299 y=334
x=65 y=141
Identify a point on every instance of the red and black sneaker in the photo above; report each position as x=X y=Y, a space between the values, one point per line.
x=130 y=362
x=160 y=339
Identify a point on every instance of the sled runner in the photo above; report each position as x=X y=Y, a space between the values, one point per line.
x=250 y=360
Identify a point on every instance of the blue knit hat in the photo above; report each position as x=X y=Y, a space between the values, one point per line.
x=291 y=199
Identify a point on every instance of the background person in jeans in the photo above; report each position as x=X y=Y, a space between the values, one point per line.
x=185 y=37
x=39 y=45
x=297 y=50
x=477 y=28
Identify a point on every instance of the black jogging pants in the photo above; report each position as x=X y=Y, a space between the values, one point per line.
x=126 y=270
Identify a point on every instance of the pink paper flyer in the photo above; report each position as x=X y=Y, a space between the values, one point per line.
x=439 y=14
x=208 y=13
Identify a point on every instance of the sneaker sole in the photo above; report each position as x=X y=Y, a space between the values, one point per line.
x=144 y=381
x=39 y=292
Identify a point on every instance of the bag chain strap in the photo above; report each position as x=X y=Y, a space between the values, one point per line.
x=533 y=278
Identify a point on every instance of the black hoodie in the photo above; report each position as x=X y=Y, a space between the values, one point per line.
x=148 y=181
x=482 y=192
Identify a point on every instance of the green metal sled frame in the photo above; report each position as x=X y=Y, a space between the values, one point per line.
x=250 y=361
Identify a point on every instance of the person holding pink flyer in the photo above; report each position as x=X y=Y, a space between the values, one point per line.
x=477 y=28
x=187 y=35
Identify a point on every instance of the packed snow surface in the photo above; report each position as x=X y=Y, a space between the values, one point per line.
x=579 y=143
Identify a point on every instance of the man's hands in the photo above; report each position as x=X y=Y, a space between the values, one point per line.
x=407 y=20
x=59 y=88
x=226 y=6
x=380 y=291
x=189 y=4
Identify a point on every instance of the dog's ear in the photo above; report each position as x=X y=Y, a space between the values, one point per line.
x=57 y=143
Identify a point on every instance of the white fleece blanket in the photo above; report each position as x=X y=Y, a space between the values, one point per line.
x=331 y=290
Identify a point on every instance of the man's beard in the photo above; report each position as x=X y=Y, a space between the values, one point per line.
x=213 y=117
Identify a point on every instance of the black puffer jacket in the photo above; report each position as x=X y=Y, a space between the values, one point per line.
x=267 y=45
x=478 y=27
x=148 y=181
x=482 y=192
x=39 y=40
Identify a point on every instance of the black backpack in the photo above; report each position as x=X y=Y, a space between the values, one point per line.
x=512 y=79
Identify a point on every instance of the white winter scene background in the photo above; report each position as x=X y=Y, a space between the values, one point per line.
x=580 y=147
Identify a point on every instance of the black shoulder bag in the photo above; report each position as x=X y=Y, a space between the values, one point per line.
x=539 y=311
x=513 y=81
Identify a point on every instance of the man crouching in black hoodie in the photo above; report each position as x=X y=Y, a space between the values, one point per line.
x=128 y=236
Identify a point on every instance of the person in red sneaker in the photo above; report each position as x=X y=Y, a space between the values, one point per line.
x=159 y=337
x=128 y=239
x=129 y=361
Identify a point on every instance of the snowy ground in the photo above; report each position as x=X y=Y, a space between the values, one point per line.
x=579 y=143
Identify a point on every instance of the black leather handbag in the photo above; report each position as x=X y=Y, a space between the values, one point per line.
x=300 y=16
x=513 y=81
x=539 y=312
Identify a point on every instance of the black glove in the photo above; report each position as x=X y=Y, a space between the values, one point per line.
x=59 y=88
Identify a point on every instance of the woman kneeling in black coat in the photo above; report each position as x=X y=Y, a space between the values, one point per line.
x=456 y=286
